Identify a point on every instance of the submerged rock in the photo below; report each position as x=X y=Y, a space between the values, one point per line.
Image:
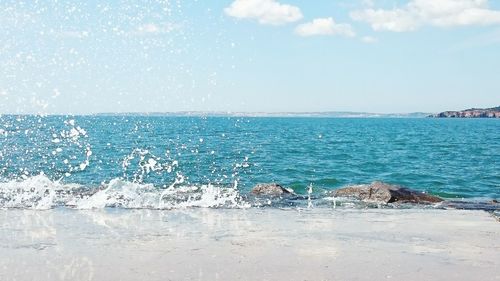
x=379 y=192
x=489 y=206
x=270 y=189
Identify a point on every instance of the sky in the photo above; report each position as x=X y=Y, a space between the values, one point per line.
x=84 y=57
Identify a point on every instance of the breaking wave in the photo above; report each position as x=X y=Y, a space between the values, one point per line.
x=41 y=193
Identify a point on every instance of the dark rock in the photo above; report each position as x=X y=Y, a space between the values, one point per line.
x=372 y=193
x=270 y=189
x=379 y=192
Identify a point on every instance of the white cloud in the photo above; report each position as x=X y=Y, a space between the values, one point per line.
x=368 y=3
x=369 y=39
x=442 y=13
x=393 y=20
x=264 y=11
x=151 y=28
x=74 y=34
x=324 y=26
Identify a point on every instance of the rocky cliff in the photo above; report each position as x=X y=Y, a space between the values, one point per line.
x=493 y=112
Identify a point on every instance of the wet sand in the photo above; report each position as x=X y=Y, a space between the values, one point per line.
x=252 y=244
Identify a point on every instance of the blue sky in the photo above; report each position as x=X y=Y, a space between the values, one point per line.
x=248 y=55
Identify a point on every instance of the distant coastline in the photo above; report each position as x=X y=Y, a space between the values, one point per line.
x=493 y=112
x=328 y=114
x=468 y=113
x=319 y=114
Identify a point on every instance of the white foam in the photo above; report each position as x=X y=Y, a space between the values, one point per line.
x=39 y=192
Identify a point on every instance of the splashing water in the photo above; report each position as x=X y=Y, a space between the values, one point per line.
x=166 y=162
x=40 y=193
x=309 y=193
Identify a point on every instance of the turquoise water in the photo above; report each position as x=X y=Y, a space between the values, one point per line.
x=452 y=158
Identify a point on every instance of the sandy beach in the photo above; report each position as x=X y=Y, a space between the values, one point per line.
x=252 y=244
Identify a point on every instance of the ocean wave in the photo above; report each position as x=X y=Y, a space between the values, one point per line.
x=41 y=193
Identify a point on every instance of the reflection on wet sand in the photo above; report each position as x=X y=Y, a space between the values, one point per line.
x=256 y=244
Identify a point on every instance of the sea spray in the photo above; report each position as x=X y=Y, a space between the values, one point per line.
x=309 y=193
x=39 y=192
x=286 y=151
x=74 y=140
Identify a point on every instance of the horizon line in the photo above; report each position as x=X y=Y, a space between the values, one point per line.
x=233 y=113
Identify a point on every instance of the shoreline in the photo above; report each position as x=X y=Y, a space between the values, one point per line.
x=249 y=244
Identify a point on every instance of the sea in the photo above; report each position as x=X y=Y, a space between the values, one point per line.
x=140 y=161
